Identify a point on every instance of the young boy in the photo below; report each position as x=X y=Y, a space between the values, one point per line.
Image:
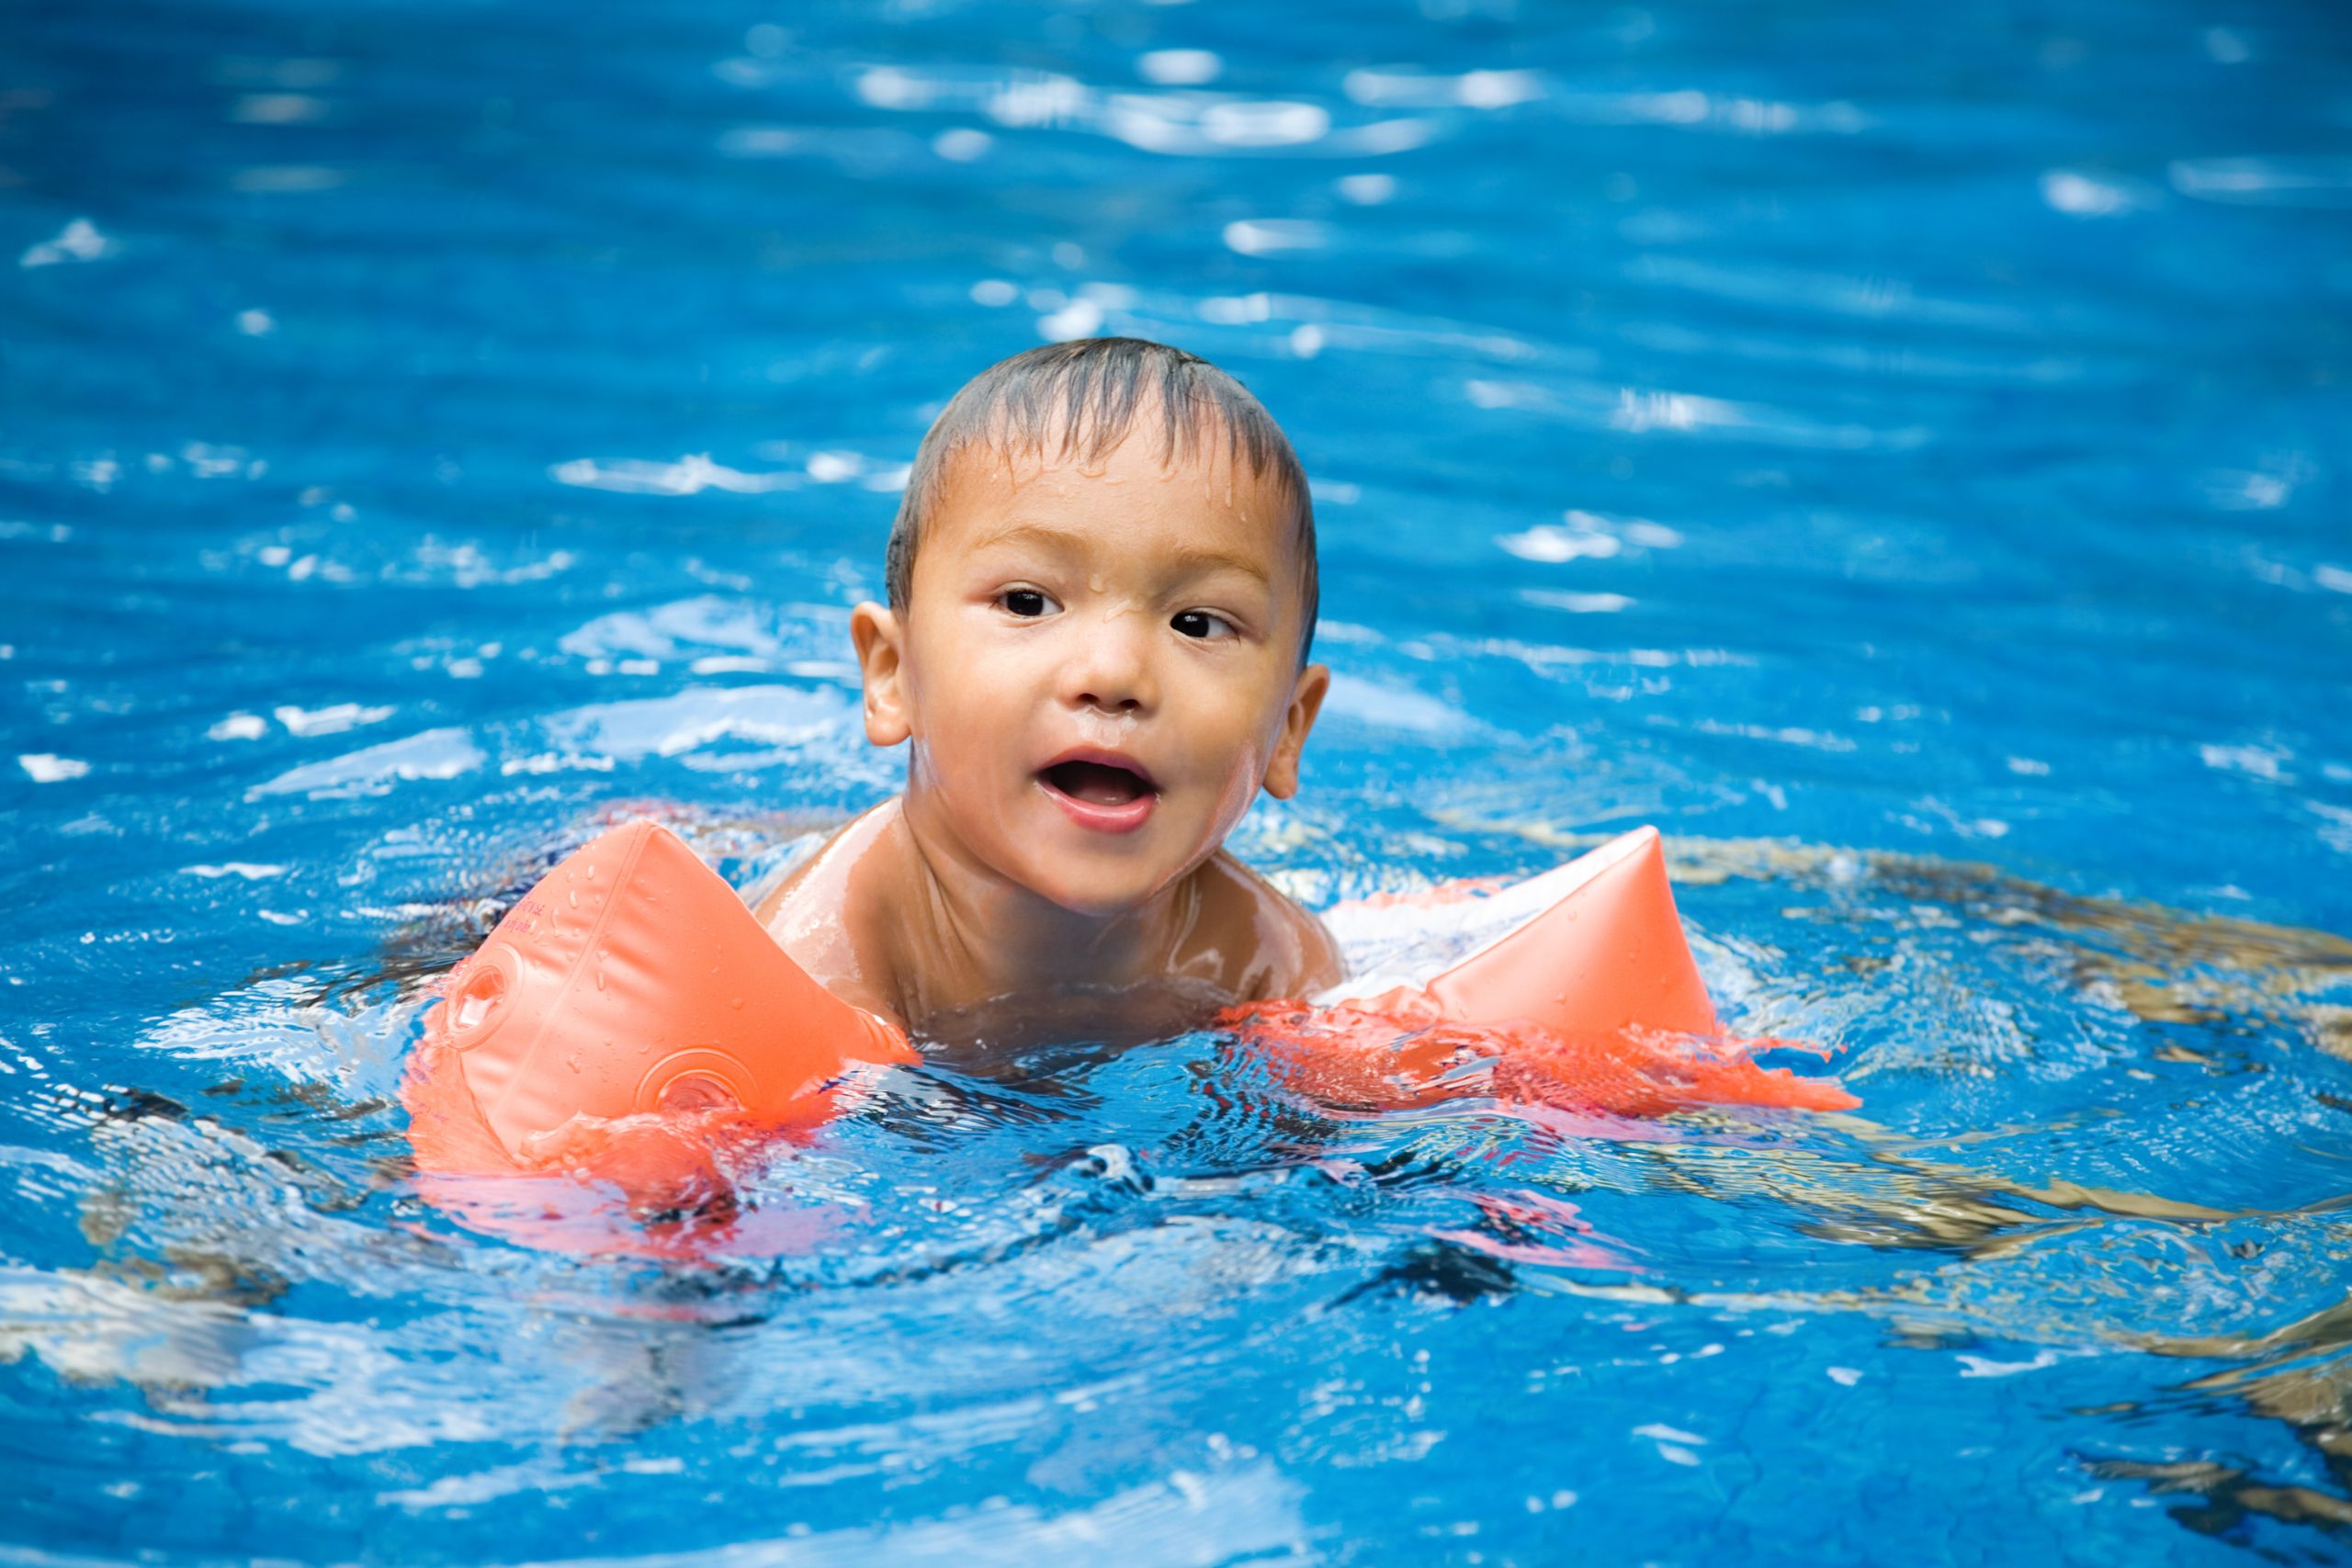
x=1102 y=592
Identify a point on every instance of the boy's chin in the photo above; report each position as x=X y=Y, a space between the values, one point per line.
x=1099 y=897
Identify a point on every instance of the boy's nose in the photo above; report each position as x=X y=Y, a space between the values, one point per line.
x=1110 y=670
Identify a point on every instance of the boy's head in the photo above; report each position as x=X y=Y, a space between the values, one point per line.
x=1102 y=591
x=1078 y=401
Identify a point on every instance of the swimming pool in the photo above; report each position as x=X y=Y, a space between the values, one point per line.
x=1902 y=455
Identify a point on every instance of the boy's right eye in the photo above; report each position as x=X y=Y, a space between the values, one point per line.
x=1027 y=604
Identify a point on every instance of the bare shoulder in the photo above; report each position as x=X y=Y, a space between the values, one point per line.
x=1269 y=946
x=787 y=891
x=828 y=914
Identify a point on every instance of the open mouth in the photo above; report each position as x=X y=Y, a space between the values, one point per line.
x=1099 y=783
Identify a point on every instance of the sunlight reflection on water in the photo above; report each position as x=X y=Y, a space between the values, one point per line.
x=1901 y=456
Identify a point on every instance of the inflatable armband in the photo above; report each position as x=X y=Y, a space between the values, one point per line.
x=1593 y=1001
x=625 y=1010
x=629 y=1014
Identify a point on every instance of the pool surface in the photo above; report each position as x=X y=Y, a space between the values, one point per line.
x=1901 y=452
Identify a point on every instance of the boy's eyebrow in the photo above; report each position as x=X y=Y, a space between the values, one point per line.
x=1192 y=561
x=1061 y=539
x=1201 y=562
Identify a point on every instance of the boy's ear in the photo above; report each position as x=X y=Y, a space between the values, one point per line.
x=1306 y=702
x=881 y=661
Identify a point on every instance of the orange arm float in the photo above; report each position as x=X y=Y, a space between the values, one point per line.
x=630 y=1011
x=631 y=981
x=1592 y=1004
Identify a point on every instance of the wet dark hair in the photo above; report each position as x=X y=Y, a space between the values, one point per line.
x=1080 y=399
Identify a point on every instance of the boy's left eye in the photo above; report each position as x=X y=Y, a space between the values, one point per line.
x=1204 y=625
x=1024 y=603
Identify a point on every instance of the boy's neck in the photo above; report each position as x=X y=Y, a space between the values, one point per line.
x=973 y=935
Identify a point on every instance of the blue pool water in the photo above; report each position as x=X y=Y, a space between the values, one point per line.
x=1901 y=451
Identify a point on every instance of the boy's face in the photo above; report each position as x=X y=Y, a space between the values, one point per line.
x=1097 y=666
